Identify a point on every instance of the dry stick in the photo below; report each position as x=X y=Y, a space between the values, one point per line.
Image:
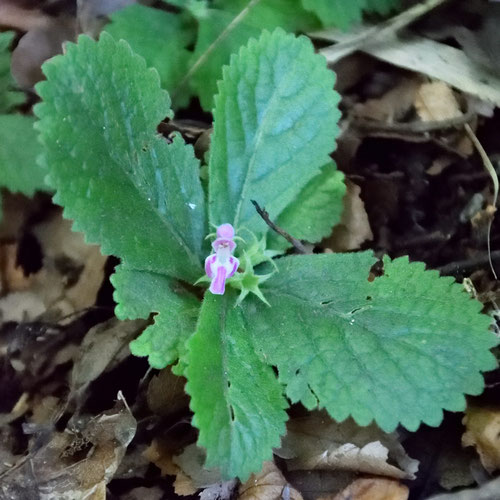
x=380 y=31
x=265 y=216
x=491 y=170
x=230 y=27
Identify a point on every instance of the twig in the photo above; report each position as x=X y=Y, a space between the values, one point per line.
x=380 y=31
x=467 y=265
x=227 y=30
x=491 y=170
x=265 y=216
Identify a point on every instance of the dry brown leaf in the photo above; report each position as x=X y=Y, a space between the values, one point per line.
x=483 y=432
x=161 y=454
x=269 y=484
x=74 y=464
x=354 y=227
x=376 y=488
x=72 y=271
x=318 y=442
x=393 y=105
x=166 y=393
x=14 y=16
x=12 y=276
x=21 y=307
x=39 y=44
x=435 y=101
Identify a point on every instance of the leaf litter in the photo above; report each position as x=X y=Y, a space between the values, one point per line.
x=67 y=428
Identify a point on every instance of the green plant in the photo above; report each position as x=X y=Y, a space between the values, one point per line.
x=19 y=146
x=162 y=37
x=397 y=348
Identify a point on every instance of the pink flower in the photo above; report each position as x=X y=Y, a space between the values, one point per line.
x=221 y=265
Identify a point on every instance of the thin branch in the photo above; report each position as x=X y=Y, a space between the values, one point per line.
x=265 y=216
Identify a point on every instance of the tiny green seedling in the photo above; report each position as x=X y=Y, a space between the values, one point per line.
x=397 y=349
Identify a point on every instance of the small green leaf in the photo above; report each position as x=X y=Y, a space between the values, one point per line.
x=160 y=37
x=398 y=349
x=8 y=97
x=228 y=26
x=317 y=208
x=237 y=400
x=275 y=122
x=98 y=119
x=138 y=293
x=19 y=149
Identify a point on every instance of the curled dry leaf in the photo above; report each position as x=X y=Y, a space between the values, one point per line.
x=74 y=464
x=376 y=488
x=483 y=432
x=436 y=101
x=268 y=484
x=354 y=227
x=317 y=442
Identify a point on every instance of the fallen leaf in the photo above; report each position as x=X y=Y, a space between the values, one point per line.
x=318 y=442
x=40 y=43
x=393 y=105
x=12 y=276
x=74 y=464
x=166 y=394
x=376 y=488
x=354 y=227
x=487 y=491
x=483 y=432
x=268 y=484
x=436 y=101
x=103 y=347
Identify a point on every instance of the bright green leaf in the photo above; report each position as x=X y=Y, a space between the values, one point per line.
x=237 y=400
x=138 y=293
x=275 y=122
x=160 y=37
x=398 y=349
x=8 y=97
x=98 y=119
x=227 y=27
x=19 y=149
x=317 y=208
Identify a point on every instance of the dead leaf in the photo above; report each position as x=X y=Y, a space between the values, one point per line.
x=354 y=227
x=74 y=464
x=103 y=347
x=487 y=491
x=12 y=276
x=483 y=432
x=318 y=442
x=161 y=453
x=376 y=488
x=21 y=307
x=393 y=105
x=435 y=101
x=166 y=394
x=39 y=44
x=269 y=484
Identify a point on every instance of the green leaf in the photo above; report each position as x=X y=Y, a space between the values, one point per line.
x=317 y=208
x=237 y=400
x=19 y=149
x=8 y=97
x=275 y=123
x=343 y=14
x=124 y=185
x=398 y=349
x=160 y=37
x=227 y=27
x=138 y=293
x=336 y=12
